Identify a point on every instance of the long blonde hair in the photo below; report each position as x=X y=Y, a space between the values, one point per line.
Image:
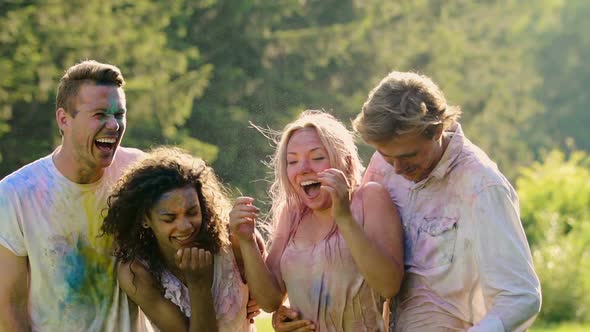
x=342 y=153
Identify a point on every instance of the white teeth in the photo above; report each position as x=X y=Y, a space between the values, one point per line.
x=106 y=140
x=182 y=238
x=307 y=183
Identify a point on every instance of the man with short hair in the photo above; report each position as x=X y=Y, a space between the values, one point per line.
x=57 y=270
x=467 y=260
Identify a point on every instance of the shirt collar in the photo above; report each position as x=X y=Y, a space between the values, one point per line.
x=451 y=153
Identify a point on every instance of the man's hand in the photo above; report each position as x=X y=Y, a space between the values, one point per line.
x=288 y=320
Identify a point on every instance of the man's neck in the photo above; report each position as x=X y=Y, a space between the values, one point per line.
x=73 y=169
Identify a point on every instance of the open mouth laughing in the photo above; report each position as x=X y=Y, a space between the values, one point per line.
x=311 y=188
x=185 y=240
x=105 y=144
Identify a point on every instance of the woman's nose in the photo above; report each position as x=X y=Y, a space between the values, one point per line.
x=305 y=166
x=185 y=224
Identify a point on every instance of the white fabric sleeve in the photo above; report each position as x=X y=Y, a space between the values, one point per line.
x=490 y=323
x=510 y=286
x=11 y=232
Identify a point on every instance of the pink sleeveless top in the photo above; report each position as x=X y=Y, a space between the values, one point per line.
x=325 y=286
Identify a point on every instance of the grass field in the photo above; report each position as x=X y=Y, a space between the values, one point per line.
x=565 y=327
x=263 y=324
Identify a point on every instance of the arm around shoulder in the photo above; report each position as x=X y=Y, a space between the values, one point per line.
x=376 y=241
x=382 y=225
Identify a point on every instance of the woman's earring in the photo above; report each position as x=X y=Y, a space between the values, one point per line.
x=145 y=225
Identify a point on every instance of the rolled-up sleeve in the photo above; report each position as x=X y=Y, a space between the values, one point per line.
x=510 y=286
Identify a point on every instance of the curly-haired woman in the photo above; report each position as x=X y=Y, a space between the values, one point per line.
x=168 y=216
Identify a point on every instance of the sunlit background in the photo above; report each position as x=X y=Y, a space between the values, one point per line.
x=199 y=71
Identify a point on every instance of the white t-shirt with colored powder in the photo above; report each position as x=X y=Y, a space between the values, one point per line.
x=56 y=224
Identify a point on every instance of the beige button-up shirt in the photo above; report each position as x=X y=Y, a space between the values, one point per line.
x=468 y=263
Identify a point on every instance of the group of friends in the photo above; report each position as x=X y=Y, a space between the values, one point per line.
x=100 y=237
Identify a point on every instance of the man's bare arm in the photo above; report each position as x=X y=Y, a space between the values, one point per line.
x=13 y=292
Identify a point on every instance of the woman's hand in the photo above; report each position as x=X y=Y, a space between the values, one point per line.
x=196 y=264
x=242 y=219
x=335 y=183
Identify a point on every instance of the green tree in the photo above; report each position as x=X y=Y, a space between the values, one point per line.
x=485 y=66
x=232 y=37
x=564 y=91
x=41 y=38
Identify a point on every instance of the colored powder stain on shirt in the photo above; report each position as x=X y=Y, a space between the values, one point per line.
x=318 y=286
x=87 y=264
x=322 y=291
x=453 y=280
x=94 y=220
x=325 y=286
x=46 y=218
x=74 y=271
x=87 y=275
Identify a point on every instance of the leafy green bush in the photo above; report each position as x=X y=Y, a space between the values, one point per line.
x=555 y=209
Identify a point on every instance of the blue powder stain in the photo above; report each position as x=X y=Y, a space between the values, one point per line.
x=87 y=277
x=318 y=286
x=74 y=273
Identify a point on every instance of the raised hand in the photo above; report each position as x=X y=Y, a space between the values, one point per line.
x=197 y=265
x=335 y=183
x=242 y=218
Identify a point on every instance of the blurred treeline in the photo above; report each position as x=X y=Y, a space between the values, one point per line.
x=198 y=71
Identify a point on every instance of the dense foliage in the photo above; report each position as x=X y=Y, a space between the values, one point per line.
x=199 y=71
x=555 y=205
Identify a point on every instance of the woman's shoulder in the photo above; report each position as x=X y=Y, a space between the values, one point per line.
x=134 y=275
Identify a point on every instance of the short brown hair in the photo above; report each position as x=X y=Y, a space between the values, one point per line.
x=85 y=72
x=404 y=103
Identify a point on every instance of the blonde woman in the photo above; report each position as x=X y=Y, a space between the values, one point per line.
x=337 y=246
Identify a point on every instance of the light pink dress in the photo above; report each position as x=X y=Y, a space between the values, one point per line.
x=325 y=286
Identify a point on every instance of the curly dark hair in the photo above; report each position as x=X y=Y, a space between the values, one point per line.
x=164 y=169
